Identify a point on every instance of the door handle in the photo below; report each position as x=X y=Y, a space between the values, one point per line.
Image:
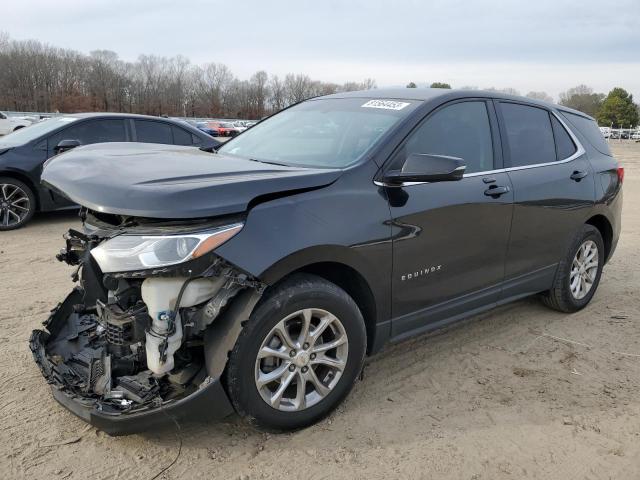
x=578 y=175
x=495 y=191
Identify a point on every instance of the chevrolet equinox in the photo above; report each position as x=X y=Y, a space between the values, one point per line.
x=257 y=278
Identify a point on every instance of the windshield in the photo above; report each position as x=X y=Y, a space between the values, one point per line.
x=25 y=135
x=325 y=133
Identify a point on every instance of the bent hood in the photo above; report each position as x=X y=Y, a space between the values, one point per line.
x=166 y=181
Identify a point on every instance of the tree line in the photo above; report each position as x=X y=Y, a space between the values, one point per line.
x=41 y=78
x=38 y=77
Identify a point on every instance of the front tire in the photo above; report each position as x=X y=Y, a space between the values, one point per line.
x=579 y=273
x=17 y=203
x=298 y=356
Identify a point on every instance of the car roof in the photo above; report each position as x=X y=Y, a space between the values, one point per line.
x=429 y=94
x=115 y=114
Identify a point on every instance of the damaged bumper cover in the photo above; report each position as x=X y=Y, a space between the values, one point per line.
x=209 y=402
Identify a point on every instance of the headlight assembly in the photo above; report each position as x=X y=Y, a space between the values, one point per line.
x=125 y=253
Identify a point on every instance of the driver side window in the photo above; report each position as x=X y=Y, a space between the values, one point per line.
x=94 y=131
x=460 y=130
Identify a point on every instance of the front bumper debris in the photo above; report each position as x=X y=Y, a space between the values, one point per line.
x=65 y=332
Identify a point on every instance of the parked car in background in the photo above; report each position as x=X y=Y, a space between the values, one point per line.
x=635 y=135
x=228 y=129
x=11 y=124
x=619 y=135
x=219 y=128
x=204 y=127
x=261 y=279
x=239 y=126
x=606 y=131
x=23 y=152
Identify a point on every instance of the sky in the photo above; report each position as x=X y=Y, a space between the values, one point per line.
x=540 y=45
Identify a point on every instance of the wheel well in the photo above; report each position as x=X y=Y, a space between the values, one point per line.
x=27 y=181
x=603 y=225
x=355 y=285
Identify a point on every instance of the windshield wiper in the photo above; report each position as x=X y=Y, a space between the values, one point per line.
x=269 y=162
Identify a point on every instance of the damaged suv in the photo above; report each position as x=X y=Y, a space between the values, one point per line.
x=255 y=279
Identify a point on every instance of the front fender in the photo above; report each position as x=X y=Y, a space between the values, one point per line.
x=347 y=222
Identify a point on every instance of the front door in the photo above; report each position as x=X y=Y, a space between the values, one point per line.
x=450 y=238
x=86 y=132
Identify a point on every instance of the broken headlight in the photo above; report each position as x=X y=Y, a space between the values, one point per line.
x=139 y=252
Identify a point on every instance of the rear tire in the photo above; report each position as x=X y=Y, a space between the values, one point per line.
x=17 y=203
x=578 y=274
x=278 y=375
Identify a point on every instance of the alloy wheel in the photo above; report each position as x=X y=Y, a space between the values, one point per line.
x=584 y=269
x=301 y=360
x=14 y=205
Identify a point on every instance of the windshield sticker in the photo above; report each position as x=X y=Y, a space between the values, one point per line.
x=385 y=104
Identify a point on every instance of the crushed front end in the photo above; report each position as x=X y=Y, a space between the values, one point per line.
x=143 y=337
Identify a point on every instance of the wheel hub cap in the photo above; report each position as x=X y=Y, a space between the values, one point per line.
x=301 y=360
x=584 y=269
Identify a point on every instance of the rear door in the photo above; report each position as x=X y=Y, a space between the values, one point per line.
x=150 y=131
x=450 y=238
x=553 y=193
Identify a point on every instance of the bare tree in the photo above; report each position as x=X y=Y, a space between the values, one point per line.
x=582 y=98
x=277 y=100
x=507 y=90
x=544 y=96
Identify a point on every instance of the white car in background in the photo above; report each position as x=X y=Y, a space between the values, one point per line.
x=635 y=135
x=239 y=126
x=11 y=124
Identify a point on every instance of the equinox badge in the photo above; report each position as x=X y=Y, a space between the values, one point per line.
x=421 y=273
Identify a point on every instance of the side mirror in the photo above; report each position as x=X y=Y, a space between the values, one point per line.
x=420 y=167
x=65 y=145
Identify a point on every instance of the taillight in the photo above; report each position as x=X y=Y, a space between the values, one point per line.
x=620 y=174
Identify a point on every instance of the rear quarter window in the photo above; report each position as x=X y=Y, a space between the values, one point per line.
x=564 y=145
x=181 y=137
x=589 y=129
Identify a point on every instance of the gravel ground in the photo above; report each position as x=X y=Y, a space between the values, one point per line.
x=519 y=392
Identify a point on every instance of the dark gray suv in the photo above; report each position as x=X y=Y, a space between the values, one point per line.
x=256 y=279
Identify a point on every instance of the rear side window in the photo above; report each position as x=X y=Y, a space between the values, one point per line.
x=153 y=132
x=93 y=131
x=181 y=137
x=564 y=145
x=590 y=130
x=460 y=130
x=529 y=135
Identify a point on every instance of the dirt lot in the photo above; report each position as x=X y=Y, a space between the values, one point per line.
x=520 y=392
